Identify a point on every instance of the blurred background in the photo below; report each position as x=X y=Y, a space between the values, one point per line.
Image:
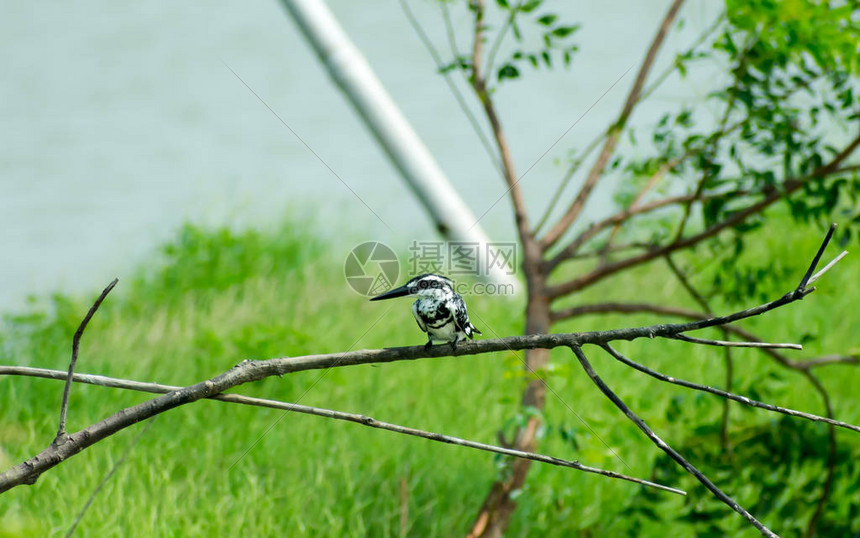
x=121 y=123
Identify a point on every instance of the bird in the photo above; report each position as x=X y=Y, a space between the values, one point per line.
x=439 y=310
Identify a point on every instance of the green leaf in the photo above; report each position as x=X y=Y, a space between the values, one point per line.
x=530 y=6
x=508 y=71
x=547 y=20
x=564 y=31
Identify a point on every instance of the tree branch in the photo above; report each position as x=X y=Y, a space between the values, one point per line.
x=574 y=167
x=634 y=308
x=479 y=84
x=248 y=371
x=570 y=251
x=646 y=92
x=364 y=420
x=731 y=343
x=437 y=59
x=652 y=182
x=596 y=172
x=614 y=220
x=726 y=394
x=718 y=493
x=76 y=340
x=789 y=187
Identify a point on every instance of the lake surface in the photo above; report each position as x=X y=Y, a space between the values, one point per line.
x=121 y=121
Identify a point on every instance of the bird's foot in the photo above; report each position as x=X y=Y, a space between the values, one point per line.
x=454 y=345
x=428 y=345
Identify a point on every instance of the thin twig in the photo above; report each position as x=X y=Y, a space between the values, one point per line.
x=557 y=231
x=458 y=96
x=568 y=175
x=718 y=493
x=788 y=187
x=491 y=58
x=724 y=422
x=806 y=278
x=633 y=308
x=713 y=147
x=726 y=394
x=732 y=343
x=157 y=388
x=652 y=182
x=76 y=340
x=646 y=92
x=827 y=267
x=687 y=285
x=659 y=79
x=479 y=84
x=571 y=249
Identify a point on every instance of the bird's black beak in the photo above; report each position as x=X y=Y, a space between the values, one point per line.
x=402 y=291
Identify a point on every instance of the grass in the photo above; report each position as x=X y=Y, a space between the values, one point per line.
x=219 y=297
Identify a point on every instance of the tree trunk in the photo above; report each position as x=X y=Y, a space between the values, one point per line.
x=495 y=513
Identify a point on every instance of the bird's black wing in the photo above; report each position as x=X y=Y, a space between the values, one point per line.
x=461 y=317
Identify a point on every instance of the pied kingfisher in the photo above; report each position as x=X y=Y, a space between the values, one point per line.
x=439 y=310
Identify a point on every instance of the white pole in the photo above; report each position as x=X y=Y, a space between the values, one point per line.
x=351 y=72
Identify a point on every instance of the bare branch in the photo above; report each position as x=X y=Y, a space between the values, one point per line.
x=732 y=343
x=596 y=172
x=646 y=92
x=652 y=182
x=437 y=59
x=614 y=220
x=574 y=167
x=363 y=420
x=479 y=84
x=788 y=188
x=500 y=37
x=659 y=79
x=687 y=285
x=718 y=493
x=633 y=308
x=713 y=145
x=725 y=394
x=76 y=340
x=808 y=275
x=827 y=267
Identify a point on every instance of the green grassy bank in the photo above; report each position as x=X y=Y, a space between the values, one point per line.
x=215 y=298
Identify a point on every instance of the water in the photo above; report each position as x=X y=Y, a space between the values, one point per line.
x=121 y=121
